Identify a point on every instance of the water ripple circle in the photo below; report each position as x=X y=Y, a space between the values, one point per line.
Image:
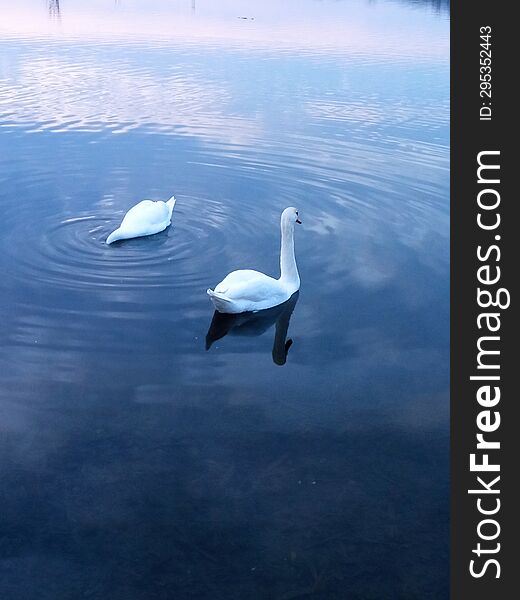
x=70 y=253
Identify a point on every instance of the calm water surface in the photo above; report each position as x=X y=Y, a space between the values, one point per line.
x=135 y=462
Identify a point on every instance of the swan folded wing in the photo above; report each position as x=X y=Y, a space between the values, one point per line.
x=147 y=212
x=236 y=278
x=251 y=286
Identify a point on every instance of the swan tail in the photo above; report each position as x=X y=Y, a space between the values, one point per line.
x=170 y=204
x=222 y=304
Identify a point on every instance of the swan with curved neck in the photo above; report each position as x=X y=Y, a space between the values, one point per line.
x=145 y=218
x=247 y=290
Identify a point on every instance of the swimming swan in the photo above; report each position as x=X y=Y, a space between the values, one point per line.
x=145 y=218
x=248 y=290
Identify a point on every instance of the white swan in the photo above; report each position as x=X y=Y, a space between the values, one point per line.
x=248 y=290
x=145 y=218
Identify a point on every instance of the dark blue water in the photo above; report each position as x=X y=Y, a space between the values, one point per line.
x=304 y=454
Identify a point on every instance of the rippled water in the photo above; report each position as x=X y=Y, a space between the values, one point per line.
x=150 y=449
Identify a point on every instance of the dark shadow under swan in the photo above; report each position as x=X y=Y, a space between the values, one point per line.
x=255 y=324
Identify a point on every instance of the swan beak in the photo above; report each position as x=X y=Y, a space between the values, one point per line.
x=298 y=221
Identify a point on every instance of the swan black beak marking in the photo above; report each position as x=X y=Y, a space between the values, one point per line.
x=298 y=221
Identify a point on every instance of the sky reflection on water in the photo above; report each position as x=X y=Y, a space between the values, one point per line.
x=138 y=464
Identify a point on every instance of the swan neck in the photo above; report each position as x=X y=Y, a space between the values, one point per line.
x=288 y=268
x=114 y=236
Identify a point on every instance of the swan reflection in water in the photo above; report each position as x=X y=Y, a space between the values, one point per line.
x=54 y=8
x=255 y=324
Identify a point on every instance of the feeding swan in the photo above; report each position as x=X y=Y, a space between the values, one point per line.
x=145 y=218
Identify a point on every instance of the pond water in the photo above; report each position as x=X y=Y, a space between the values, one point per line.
x=152 y=450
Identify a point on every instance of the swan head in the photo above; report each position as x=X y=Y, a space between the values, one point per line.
x=290 y=216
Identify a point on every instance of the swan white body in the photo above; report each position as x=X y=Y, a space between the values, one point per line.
x=145 y=218
x=248 y=290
